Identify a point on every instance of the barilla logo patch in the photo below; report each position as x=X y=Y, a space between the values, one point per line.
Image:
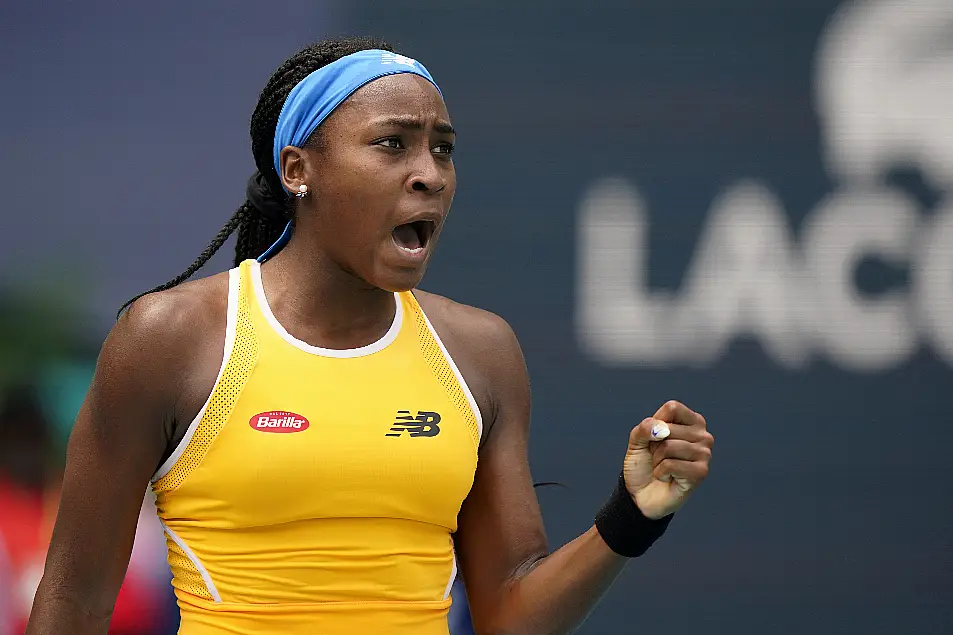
x=278 y=421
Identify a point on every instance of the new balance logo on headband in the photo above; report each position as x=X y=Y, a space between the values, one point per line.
x=425 y=424
x=394 y=58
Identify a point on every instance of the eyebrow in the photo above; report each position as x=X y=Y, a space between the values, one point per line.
x=415 y=123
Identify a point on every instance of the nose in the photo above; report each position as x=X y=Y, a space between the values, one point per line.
x=426 y=176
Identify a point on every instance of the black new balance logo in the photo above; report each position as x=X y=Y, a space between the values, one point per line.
x=425 y=424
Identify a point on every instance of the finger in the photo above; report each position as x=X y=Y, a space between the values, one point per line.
x=690 y=473
x=677 y=449
x=675 y=412
x=692 y=434
x=649 y=431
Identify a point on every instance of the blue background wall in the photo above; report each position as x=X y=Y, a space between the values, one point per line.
x=828 y=509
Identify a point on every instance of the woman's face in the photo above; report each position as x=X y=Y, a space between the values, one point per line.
x=381 y=181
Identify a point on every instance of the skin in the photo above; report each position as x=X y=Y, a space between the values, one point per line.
x=332 y=287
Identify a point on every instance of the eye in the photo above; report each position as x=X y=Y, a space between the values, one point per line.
x=393 y=143
x=444 y=148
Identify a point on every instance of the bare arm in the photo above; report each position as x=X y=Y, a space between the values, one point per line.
x=513 y=584
x=117 y=443
x=524 y=590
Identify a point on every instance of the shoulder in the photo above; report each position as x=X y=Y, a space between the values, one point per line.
x=156 y=340
x=477 y=327
x=485 y=349
x=177 y=315
x=155 y=361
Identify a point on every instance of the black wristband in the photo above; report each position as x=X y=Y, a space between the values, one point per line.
x=623 y=526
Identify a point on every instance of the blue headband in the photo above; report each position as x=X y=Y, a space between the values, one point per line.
x=317 y=95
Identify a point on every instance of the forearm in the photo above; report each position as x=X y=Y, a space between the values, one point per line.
x=556 y=595
x=57 y=613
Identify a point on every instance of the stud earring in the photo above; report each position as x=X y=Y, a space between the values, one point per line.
x=302 y=191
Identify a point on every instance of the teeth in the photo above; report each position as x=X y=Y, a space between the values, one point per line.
x=411 y=251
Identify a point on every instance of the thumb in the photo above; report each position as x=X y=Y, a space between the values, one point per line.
x=649 y=431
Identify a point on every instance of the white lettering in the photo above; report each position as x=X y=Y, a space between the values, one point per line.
x=743 y=280
x=619 y=320
x=860 y=333
x=748 y=277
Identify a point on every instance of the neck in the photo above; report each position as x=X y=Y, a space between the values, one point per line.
x=322 y=304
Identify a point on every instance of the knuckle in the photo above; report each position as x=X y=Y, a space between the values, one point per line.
x=644 y=427
x=701 y=420
x=671 y=404
x=635 y=429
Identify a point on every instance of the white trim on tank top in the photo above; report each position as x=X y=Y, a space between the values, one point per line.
x=231 y=317
x=456 y=372
x=453 y=573
x=276 y=326
x=195 y=562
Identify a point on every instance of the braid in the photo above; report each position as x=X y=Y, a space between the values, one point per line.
x=257 y=230
x=257 y=234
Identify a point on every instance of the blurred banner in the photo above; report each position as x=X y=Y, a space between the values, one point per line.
x=746 y=206
x=883 y=93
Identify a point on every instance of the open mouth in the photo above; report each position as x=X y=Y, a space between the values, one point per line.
x=415 y=236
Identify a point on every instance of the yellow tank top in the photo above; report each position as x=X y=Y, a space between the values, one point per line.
x=317 y=490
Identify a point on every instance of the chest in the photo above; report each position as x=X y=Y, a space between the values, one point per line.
x=338 y=438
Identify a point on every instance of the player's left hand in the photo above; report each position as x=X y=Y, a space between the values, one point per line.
x=667 y=457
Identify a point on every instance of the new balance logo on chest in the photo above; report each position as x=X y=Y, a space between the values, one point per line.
x=424 y=424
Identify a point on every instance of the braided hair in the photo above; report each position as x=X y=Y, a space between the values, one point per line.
x=260 y=220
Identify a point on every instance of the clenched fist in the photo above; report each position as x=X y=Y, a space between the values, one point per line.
x=667 y=458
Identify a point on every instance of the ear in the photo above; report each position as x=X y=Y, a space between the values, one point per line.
x=295 y=168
